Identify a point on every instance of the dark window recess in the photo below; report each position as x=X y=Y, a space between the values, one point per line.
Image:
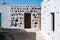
x=27 y=8
x=38 y=17
x=12 y=14
x=36 y=11
x=32 y=8
x=18 y=8
x=20 y=17
x=16 y=20
x=34 y=26
x=15 y=24
x=11 y=8
x=18 y=11
x=15 y=11
x=19 y=14
x=35 y=8
x=12 y=17
x=20 y=23
x=33 y=14
x=35 y=17
x=32 y=20
x=31 y=11
x=53 y=20
x=35 y=22
x=12 y=24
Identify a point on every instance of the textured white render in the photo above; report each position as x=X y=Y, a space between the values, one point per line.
x=7 y=12
x=5 y=16
x=48 y=6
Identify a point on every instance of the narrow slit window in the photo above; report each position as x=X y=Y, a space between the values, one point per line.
x=53 y=21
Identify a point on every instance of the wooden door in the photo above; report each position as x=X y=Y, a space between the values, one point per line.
x=27 y=20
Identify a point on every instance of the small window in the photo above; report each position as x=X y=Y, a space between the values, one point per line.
x=53 y=21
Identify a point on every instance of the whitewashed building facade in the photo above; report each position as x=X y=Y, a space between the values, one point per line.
x=44 y=20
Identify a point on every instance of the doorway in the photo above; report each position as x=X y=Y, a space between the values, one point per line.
x=27 y=20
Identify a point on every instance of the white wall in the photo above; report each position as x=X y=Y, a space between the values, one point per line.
x=46 y=8
x=5 y=16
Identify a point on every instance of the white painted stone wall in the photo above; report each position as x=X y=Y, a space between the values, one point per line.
x=48 y=6
x=5 y=16
x=7 y=12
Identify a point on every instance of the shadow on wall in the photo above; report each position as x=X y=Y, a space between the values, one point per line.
x=17 y=34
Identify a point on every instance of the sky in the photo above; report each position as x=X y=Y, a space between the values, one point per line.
x=23 y=2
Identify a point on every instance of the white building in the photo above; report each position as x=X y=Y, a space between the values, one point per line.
x=44 y=20
x=50 y=16
x=27 y=17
